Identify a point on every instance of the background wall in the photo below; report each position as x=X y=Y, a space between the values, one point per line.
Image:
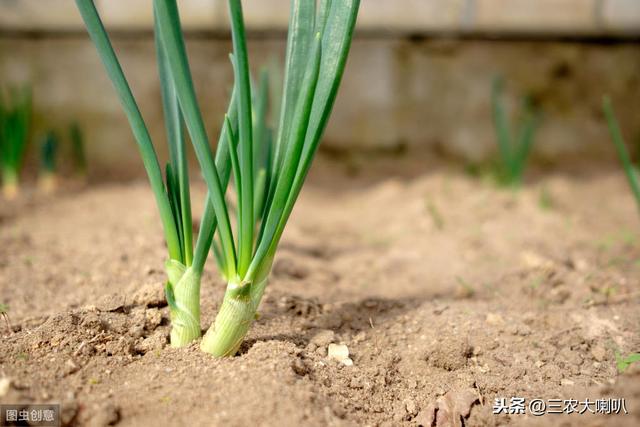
x=419 y=75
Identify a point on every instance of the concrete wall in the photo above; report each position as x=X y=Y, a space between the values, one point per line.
x=411 y=79
x=573 y=17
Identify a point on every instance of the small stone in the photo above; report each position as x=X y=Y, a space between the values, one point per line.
x=566 y=382
x=347 y=362
x=323 y=338
x=494 y=319
x=338 y=352
x=5 y=385
x=599 y=353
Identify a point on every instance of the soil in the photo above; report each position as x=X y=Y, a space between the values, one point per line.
x=447 y=291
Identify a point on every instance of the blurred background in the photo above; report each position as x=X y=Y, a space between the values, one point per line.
x=418 y=78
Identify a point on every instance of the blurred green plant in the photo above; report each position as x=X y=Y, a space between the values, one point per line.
x=434 y=213
x=546 y=200
x=514 y=145
x=78 y=154
x=15 y=118
x=623 y=362
x=48 y=174
x=616 y=135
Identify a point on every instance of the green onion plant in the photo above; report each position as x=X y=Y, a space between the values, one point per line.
x=78 y=154
x=268 y=168
x=171 y=189
x=15 y=118
x=514 y=146
x=616 y=135
x=47 y=179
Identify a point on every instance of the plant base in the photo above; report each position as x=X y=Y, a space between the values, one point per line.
x=234 y=319
x=183 y=296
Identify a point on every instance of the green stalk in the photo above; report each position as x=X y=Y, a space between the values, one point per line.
x=78 y=151
x=173 y=43
x=101 y=40
x=245 y=137
x=514 y=151
x=618 y=141
x=177 y=154
x=503 y=133
x=15 y=118
x=48 y=154
x=311 y=85
x=184 y=296
x=300 y=35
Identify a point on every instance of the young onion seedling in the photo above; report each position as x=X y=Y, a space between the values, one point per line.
x=515 y=148
x=15 y=117
x=185 y=266
x=47 y=179
x=78 y=155
x=267 y=185
x=625 y=158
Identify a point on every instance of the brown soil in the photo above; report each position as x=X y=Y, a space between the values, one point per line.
x=447 y=291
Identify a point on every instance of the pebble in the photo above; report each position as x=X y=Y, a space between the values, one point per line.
x=340 y=352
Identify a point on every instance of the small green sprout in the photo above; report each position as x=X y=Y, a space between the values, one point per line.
x=48 y=176
x=514 y=149
x=546 y=200
x=434 y=212
x=15 y=118
x=623 y=363
x=616 y=135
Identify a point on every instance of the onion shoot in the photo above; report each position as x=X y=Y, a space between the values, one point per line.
x=616 y=135
x=15 y=119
